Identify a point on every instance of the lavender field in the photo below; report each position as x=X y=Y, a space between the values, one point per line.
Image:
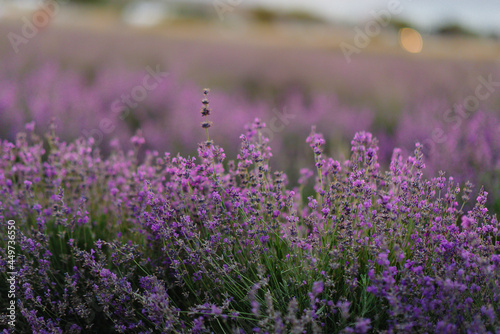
x=299 y=194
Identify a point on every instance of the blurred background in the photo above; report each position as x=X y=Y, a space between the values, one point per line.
x=405 y=70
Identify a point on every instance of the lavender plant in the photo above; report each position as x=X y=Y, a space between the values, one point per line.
x=173 y=244
x=94 y=105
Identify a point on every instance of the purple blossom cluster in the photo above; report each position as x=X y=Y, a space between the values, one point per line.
x=102 y=107
x=175 y=244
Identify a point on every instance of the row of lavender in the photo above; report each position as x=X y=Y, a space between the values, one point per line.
x=461 y=138
x=183 y=245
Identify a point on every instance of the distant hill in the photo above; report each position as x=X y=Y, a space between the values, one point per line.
x=454 y=29
x=265 y=15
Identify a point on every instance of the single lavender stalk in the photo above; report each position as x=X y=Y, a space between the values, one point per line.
x=205 y=112
x=316 y=142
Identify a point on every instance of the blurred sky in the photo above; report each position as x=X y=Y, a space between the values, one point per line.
x=478 y=15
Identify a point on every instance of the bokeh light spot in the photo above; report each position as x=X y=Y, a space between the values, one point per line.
x=410 y=40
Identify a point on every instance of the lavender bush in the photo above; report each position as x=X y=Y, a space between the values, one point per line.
x=94 y=107
x=177 y=244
